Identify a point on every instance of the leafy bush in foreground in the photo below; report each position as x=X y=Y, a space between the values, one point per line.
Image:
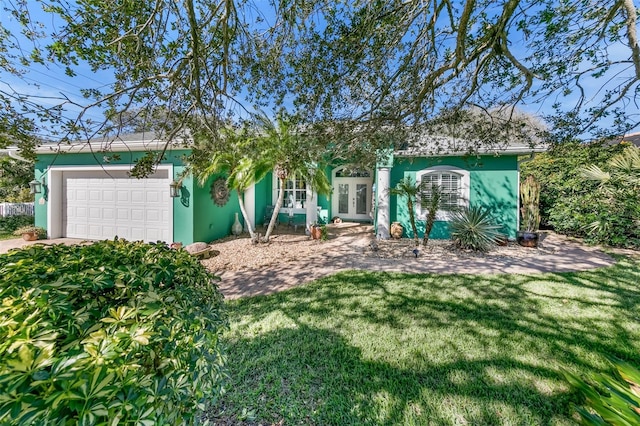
x=610 y=399
x=110 y=333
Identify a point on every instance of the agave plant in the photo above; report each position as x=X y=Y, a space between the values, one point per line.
x=474 y=228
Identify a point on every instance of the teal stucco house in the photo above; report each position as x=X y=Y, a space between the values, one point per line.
x=87 y=192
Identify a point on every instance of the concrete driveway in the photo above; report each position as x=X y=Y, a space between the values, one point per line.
x=6 y=245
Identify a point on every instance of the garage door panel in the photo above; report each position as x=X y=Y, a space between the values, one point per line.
x=101 y=207
x=108 y=195
x=137 y=196
x=95 y=213
x=137 y=215
x=137 y=233
x=123 y=196
x=80 y=212
x=123 y=214
x=108 y=214
x=153 y=197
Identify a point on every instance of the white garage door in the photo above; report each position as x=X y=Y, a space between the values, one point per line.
x=100 y=205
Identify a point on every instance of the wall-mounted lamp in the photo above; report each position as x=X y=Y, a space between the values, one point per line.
x=35 y=187
x=174 y=189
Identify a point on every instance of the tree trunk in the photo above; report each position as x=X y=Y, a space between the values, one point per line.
x=276 y=211
x=428 y=226
x=245 y=216
x=412 y=219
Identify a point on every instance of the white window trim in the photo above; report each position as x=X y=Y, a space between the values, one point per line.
x=443 y=215
x=284 y=208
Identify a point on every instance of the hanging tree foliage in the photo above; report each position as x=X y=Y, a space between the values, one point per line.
x=355 y=72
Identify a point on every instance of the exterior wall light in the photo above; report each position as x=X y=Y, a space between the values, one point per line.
x=174 y=189
x=35 y=187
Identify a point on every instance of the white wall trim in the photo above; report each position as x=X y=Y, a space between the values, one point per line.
x=55 y=195
x=383 y=210
x=250 y=206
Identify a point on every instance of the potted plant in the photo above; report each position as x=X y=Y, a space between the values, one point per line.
x=30 y=233
x=529 y=212
x=318 y=232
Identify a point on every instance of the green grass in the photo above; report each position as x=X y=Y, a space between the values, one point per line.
x=363 y=348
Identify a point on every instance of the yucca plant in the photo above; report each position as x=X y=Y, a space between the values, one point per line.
x=610 y=399
x=474 y=228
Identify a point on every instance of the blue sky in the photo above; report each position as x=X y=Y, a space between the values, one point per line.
x=50 y=86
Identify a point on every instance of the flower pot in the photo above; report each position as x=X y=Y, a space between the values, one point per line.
x=30 y=236
x=396 y=230
x=236 y=228
x=316 y=232
x=502 y=240
x=527 y=239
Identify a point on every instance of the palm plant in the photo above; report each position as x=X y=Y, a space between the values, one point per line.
x=409 y=190
x=290 y=155
x=433 y=204
x=473 y=228
x=229 y=155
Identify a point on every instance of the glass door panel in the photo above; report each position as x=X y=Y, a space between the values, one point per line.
x=361 y=198
x=343 y=198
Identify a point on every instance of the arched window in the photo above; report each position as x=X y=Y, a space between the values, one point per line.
x=453 y=183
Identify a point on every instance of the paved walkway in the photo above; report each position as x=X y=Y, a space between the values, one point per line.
x=560 y=254
x=347 y=252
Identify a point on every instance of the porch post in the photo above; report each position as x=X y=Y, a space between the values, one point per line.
x=311 y=207
x=382 y=191
x=250 y=205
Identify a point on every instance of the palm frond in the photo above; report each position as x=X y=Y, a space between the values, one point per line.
x=628 y=161
x=593 y=172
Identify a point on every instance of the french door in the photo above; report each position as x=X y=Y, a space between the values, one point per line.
x=352 y=198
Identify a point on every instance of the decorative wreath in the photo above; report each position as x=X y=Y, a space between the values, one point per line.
x=220 y=192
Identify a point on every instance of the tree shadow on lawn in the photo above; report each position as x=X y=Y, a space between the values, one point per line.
x=313 y=376
x=380 y=348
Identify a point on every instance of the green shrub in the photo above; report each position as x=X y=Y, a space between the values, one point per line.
x=558 y=172
x=11 y=223
x=110 y=333
x=474 y=229
x=609 y=399
x=600 y=212
x=597 y=220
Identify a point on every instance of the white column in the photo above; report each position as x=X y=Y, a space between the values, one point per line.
x=383 y=212
x=311 y=207
x=250 y=205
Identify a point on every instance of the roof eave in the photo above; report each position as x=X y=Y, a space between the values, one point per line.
x=115 y=146
x=502 y=151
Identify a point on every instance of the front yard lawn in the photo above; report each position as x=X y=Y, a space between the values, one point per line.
x=362 y=348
